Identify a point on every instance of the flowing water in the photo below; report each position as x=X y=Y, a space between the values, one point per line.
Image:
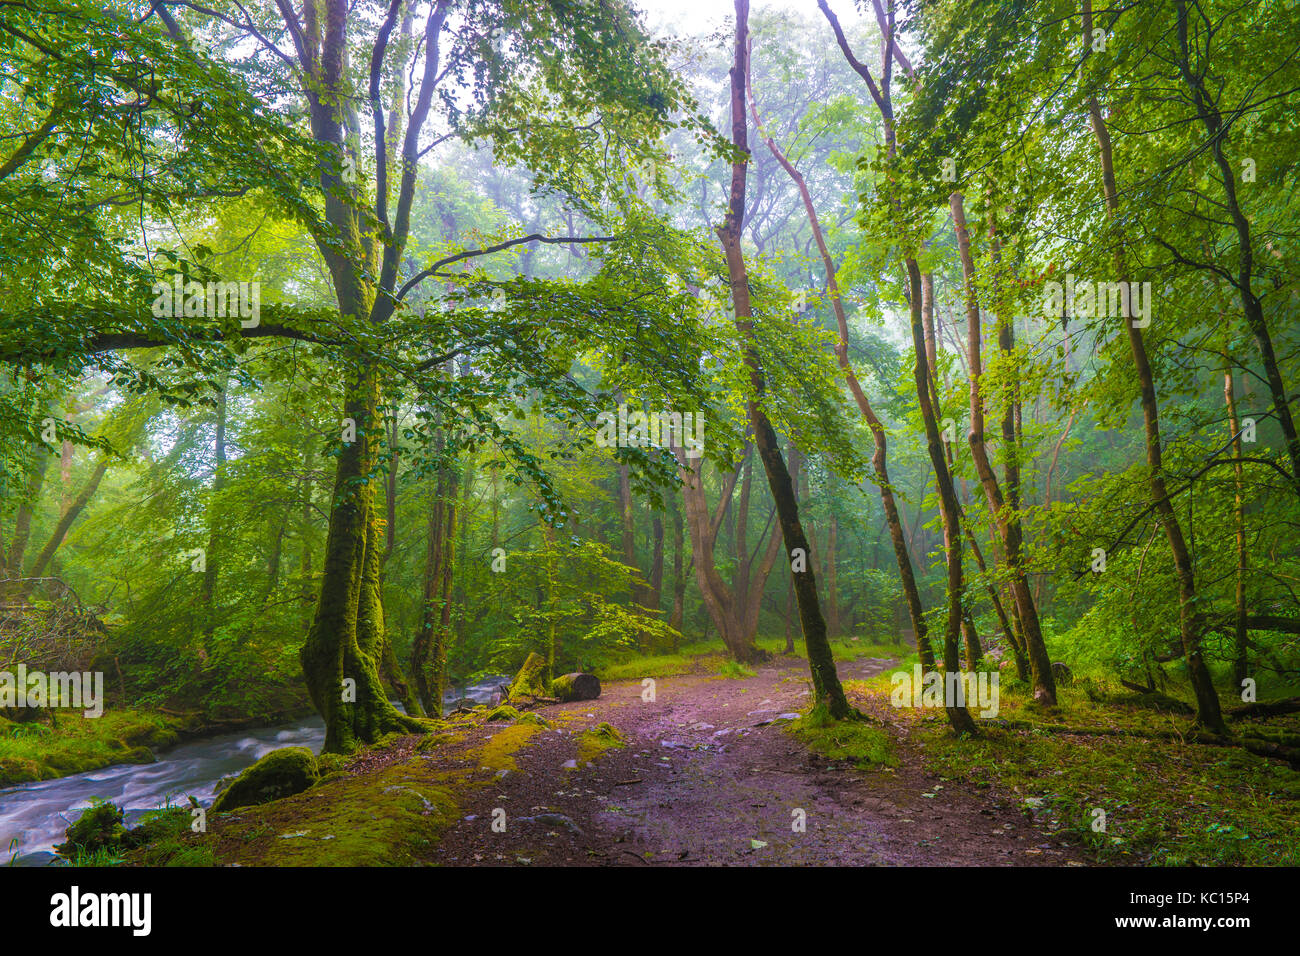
x=35 y=815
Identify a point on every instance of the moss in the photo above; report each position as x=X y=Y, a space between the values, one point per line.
x=330 y=763
x=392 y=816
x=498 y=752
x=596 y=741
x=331 y=777
x=504 y=712
x=860 y=742
x=532 y=679
x=387 y=818
x=34 y=751
x=281 y=773
x=431 y=742
x=15 y=770
x=531 y=718
x=98 y=829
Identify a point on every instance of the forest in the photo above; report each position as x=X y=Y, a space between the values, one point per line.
x=619 y=432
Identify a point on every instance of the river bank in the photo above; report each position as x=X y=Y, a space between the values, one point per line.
x=141 y=760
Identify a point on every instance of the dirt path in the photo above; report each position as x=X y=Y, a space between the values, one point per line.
x=705 y=774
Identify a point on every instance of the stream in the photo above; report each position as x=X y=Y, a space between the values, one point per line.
x=36 y=814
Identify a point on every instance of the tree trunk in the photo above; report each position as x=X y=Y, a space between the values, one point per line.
x=720 y=601
x=65 y=522
x=1008 y=522
x=679 y=573
x=1240 y=666
x=1191 y=622
x=215 y=536
x=26 y=508
x=826 y=683
x=879 y=458
x=1212 y=120
x=340 y=646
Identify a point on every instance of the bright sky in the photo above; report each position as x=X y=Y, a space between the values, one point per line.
x=697 y=17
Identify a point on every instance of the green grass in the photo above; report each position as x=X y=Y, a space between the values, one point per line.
x=708 y=657
x=863 y=743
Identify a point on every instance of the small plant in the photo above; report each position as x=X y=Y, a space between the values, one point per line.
x=735 y=670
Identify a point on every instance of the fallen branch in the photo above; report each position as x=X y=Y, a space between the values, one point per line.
x=1261 y=748
x=1272 y=708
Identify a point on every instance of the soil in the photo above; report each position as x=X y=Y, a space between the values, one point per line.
x=710 y=776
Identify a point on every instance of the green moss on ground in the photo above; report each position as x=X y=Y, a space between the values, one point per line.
x=36 y=751
x=387 y=818
x=863 y=743
x=596 y=741
x=393 y=815
x=708 y=658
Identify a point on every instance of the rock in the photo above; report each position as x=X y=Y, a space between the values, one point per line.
x=281 y=773
x=1062 y=674
x=577 y=686
x=99 y=828
x=504 y=712
x=531 y=680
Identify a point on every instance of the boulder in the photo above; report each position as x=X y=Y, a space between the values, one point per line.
x=576 y=686
x=1062 y=674
x=281 y=773
x=531 y=680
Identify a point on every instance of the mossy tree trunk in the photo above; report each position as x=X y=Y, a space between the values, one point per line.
x=345 y=641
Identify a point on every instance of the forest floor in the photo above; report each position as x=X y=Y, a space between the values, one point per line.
x=716 y=770
x=730 y=768
x=710 y=774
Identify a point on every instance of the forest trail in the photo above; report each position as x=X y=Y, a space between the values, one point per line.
x=706 y=777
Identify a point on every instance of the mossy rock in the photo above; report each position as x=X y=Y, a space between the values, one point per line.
x=139 y=755
x=528 y=717
x=279 y=774
x=532 y=679
x=100 y=827
x=504 y=712
x=596 y=741
x=388 y=740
